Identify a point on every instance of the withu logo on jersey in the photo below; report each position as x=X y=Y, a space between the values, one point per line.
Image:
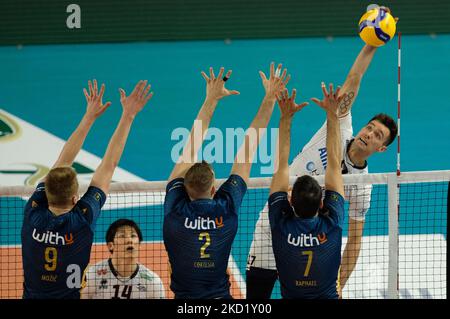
x=203 y=223
x=307 y=240
x=52 y=238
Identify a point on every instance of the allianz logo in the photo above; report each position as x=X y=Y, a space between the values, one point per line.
x=308 y=240
x=203 y=223
x=52 y=238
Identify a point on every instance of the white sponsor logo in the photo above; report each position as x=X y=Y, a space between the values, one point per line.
x=52 y=238
x=306 y=240
x=203 y=223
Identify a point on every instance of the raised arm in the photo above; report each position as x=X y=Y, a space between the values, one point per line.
x=215 y=91
x=354 y=77
x=273 y=86
x=131 y=105
x=288 y=107
x=94 y=109
x=333 y=172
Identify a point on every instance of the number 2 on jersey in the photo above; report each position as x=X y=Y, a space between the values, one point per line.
x=206 y=236
x=51 y=257
x=308 y=264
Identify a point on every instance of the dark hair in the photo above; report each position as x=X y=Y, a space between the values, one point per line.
x=112 y=229
x=199 y=178
x=60 y=185
x=389 y=122
x=306 y=196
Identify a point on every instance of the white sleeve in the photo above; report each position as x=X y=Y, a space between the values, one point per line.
x=88 y=291
x=156 y=288
x=298 y=166
x=345 y=124
x=359 y=201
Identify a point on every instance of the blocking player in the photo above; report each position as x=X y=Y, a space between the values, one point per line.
x=306 y=243
x=379 y=132
x=121 y=276
x=200 y=223
x=58 y=229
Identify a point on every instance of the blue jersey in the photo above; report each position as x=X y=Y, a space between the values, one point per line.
x=307 y=250
x=198 y=236
x=56 y=249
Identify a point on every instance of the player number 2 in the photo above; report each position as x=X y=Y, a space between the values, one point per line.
x=205 y=245
x=308 y=264
x=51 y=256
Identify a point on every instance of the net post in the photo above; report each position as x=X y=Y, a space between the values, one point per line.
x=393 y=198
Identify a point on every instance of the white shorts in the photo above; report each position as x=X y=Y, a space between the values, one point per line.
x=261 y=252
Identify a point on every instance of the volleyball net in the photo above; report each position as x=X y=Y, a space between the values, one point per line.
x=403 y=250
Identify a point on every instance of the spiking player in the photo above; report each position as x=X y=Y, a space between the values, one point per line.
x=306 y=243
x=121 y=276
x=53 y=264
x=379 y=132
x=199 y=223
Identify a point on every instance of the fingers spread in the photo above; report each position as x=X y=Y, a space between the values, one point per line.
x=102 y=90
x=148 y=97
x=91 y=91
x=262 y=75
x=317 y=101
x=302 y=105
x=86 y=95
x=294 y=94
x=136 y=88
x=147 y=90
x=122 y=94
x=205 y=76
x=337 y=91
x=220 y=73
x=287 y=80
x=324 y=90
x=142 y=88
x=283 y=75
x=278 y=71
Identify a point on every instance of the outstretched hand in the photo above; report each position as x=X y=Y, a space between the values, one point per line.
x=331 y=100
x=95 y=106
x=275 y=84
x=215 y=86
x=136 y=101
x=287 y=104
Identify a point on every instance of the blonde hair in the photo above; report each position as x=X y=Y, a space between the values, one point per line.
x=199 y=178
x=60 y=185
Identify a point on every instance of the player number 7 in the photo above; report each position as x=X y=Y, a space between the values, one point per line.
x=308 y=264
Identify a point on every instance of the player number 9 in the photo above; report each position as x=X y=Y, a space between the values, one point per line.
x=51 y=256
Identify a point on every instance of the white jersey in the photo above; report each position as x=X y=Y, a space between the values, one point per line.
x=103 y=282
x=312 y=160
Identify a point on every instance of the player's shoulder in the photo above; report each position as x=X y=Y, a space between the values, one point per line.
x=146 y=274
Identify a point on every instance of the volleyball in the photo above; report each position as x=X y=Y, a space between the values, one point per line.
x=377 y=26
